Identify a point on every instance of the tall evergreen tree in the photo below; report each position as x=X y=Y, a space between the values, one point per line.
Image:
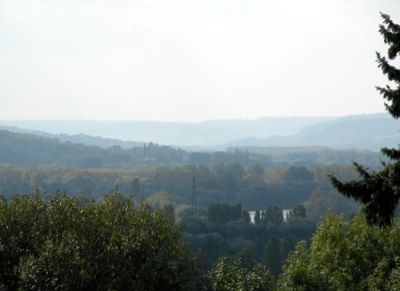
x=246 y=216
x=194 y=203
x=379 y=191
x=257 y=217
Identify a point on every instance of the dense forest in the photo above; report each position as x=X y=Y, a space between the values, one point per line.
x=247 y=208
x=226 y=204
x=252 y=187
x=244 y=207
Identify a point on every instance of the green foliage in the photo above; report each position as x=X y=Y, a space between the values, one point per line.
x=266 y=243
x=58 y=244
x=246 y=216
x=257 y=170
x=299 y=211
x=169 y=211
x=296 y=275
x=220 y=213
x=272 y=216
x=257 y=217
x=298 y=173
x=345 y=256
x=233 y=274
x=319 y=202
x=273 y=257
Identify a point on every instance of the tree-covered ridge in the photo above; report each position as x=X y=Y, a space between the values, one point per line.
x=31 y=150
x=28 y=150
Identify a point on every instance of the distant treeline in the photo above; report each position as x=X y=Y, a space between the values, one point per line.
x=253 y=186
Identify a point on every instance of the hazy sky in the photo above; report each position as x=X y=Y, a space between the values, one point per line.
x=189 y=60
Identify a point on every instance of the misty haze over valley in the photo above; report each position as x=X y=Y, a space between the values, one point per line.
x=362 y=132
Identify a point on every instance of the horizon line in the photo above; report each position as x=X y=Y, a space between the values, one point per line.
x=185 y=121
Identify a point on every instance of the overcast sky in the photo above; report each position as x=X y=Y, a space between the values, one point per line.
x=189 y=60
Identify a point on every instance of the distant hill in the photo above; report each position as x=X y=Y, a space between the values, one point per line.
x=197 y=134
x=315 y=155
x=30 y=150
x=364 y=132
x=78 y=138
x=23 y=149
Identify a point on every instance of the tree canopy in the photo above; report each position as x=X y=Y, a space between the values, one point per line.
x=58 y=244
x=345 y=256
x=234 y=274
